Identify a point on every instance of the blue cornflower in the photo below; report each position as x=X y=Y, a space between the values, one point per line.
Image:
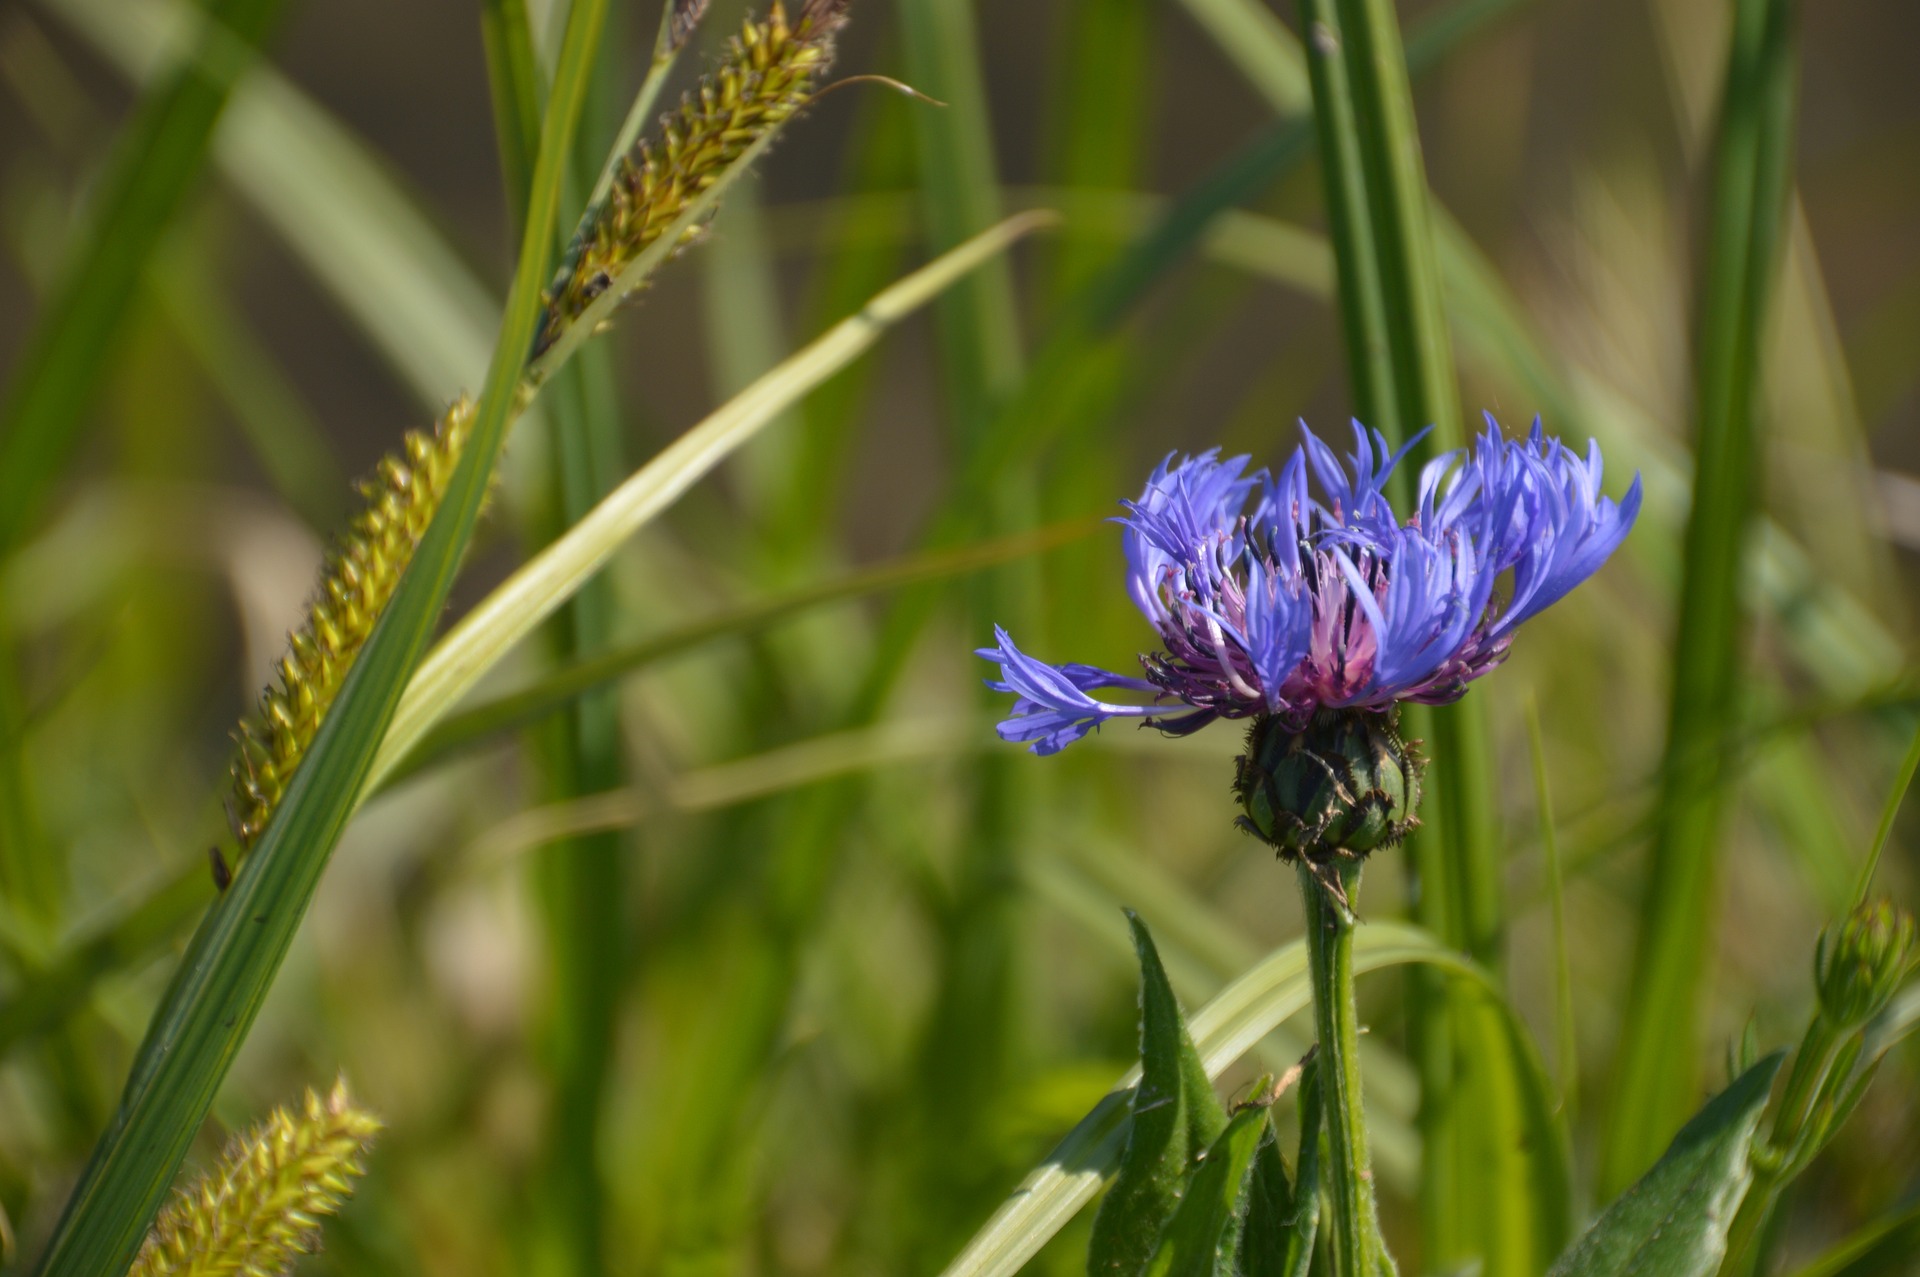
x=1272 y=602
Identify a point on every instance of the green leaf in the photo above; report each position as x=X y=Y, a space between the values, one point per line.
x=1673 y=1222
x=1173 y=1118
x=1282 y=1219
x=1269 y=1238
x=1203 y=1238
x=1226 y=1028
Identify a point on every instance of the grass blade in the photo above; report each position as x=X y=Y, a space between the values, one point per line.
x=1658 y=1066
x=335 y=204
x=966 y=1049
x=470 y=727
x=531 y=594
x=1903 y=780
x=154 y=165
x=223 y=980
x=579 y=882
x=1264 y=51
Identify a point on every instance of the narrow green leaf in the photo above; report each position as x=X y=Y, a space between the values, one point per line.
x=1174 y=1117
x=579 y=882
x=155 y=163
x=1884 y=1248
x=547 y=580
x=1657 y=1065
x=1271 y=1243
x=1096 y=135
x=1673 y=1222
x=484 y=722
x=1890 y=810
x=340 y=209
x=1282 y=1226
x=978 y=320
x=966 y=1046
x=1203 y=1237
x=219 y=987
x=1264 y=51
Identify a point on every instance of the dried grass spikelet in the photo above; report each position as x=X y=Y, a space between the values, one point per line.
x=682 y=20
x=768 y=75
x=356 y=584
x=261 y=1207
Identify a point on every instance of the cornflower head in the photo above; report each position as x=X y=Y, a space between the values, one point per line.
x=767 y=76
x=356 y=583
x=1316 y=613
x=261 y=1207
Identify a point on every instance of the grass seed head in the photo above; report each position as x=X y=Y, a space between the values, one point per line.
x=261 y=1207
x=768 y=75
x=356 y=583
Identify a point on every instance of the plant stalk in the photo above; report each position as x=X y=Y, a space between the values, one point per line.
x=1354 y=1228
x=1786 y=1144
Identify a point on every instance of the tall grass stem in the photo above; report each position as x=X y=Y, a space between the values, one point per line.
x=1657 y=1067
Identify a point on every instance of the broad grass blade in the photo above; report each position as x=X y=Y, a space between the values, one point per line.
x=220 y=985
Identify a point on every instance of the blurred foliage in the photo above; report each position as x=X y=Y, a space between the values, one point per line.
x=860 y=966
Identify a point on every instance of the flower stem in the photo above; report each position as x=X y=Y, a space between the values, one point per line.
x=1355 y=1235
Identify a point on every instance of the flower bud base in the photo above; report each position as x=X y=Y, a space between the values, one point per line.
x=1347 y=785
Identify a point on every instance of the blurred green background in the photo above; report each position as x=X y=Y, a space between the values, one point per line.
x=833 y=967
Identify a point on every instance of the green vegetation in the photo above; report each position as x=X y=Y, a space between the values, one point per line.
x=621 y=813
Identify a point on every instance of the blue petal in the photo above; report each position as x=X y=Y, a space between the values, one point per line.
x=1188 y=512
x=1052 y=708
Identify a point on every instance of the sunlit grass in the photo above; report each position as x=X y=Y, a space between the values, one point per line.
x=654 y=871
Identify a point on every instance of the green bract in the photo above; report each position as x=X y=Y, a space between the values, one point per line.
x=1348 y=784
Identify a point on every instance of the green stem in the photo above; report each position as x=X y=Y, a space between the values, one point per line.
x=1786 y=1140
x=1659 y=1039
x=1354 y=1226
